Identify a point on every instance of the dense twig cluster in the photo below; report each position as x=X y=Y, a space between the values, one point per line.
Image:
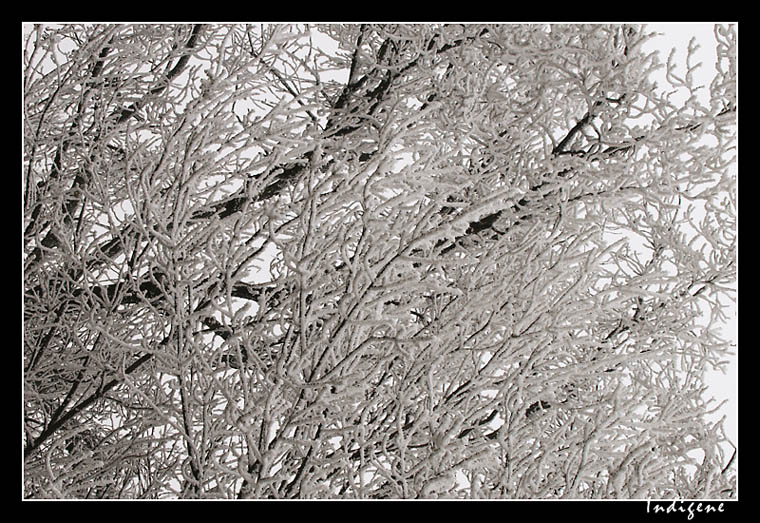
x=440 y=261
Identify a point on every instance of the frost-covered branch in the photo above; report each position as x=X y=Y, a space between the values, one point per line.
x=373 y=261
